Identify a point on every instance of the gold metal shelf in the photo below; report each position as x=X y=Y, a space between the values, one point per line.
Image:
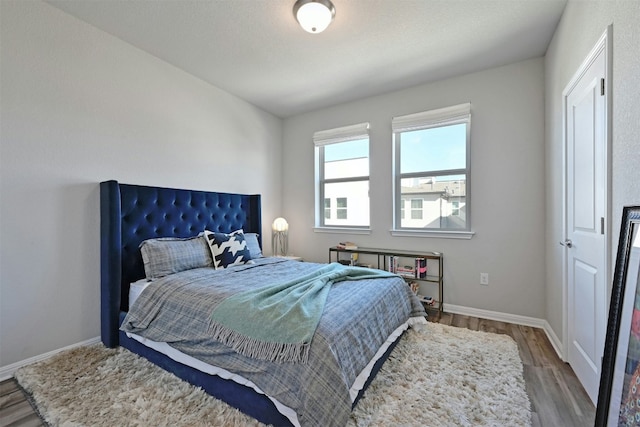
x=382 y=255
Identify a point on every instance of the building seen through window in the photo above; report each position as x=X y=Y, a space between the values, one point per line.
x=433 y=202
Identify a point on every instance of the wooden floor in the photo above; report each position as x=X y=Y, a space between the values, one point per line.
x=15 y=409
x=557 y=398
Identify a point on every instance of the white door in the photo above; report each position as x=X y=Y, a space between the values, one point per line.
x=586 y=218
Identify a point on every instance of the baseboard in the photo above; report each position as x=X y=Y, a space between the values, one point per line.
x=7 y=372
x=509 y=318
x=554 y=340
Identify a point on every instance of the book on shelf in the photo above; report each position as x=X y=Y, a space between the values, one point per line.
x=392 y=263
x=347 y=245
x=416 y=271
x=405 y=271
x=420 y=268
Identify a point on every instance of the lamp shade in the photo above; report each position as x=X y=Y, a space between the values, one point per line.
x=314 y=16
x=280 y=224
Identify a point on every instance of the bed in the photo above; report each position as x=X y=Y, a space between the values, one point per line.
x=132 y=214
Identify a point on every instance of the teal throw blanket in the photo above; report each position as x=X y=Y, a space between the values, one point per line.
x=277 y=322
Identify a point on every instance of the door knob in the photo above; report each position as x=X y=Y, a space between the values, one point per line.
x=568 y=243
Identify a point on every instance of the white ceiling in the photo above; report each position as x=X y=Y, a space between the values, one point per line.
x=255 y=49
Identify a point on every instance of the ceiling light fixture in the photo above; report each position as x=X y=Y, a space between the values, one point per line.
x=314 y=16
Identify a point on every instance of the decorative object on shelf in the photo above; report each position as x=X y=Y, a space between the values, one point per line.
x=415 y=286
x=347 y=245
x=353 y=259
x=280 y=237
x=314 y=16
x=620 y=373
x=427 y=300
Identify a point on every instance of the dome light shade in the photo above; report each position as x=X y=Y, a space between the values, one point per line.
x=280 y=224
x=314 y=16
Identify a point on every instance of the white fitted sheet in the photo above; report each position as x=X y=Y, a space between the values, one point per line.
x=136 y=288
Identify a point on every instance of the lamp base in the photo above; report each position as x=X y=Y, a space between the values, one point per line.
x=280 y=243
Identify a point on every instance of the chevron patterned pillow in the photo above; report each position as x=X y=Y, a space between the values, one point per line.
x=228 y=249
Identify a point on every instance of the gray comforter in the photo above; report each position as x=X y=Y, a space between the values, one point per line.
x=358 y=317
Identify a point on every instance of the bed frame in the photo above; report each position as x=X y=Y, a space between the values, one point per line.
x=130 y=214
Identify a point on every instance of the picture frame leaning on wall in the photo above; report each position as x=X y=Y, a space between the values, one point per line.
x=619 y=392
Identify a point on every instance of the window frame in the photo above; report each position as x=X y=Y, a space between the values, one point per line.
x=336 y=136
x=448 y=116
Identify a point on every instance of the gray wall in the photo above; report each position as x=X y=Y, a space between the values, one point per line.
x=507 y=167
x=79 y=107
x=582 y=24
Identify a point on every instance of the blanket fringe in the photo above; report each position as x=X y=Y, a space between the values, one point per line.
x=263 y=350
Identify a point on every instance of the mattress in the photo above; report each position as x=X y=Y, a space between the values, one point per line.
x=185 y=359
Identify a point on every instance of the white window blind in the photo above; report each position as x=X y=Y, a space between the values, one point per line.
x=428 y=119
x=341 y=134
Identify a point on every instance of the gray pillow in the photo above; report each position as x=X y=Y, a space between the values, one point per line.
x=168 y=255
x=252 y=244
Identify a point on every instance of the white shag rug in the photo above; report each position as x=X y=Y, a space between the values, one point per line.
x=437 y=376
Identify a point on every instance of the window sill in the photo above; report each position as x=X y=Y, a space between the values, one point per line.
x=466 y=235
x=344 y=230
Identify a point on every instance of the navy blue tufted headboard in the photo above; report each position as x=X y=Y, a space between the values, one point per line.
x=130 y=214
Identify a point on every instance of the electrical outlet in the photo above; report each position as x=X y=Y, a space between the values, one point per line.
x=484 y=278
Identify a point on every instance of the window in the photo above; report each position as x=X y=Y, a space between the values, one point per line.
x=341 y=211
x=342 y=175
x=416 y=208
x=431 y=170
